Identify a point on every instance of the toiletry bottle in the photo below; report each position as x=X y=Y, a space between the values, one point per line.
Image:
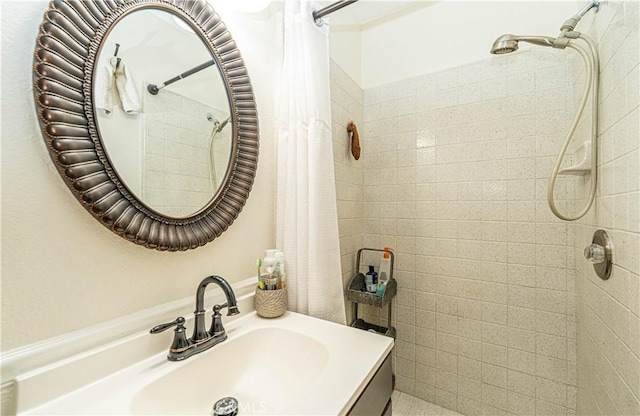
x=269 y=261
x=277 y=276
x=280 y=263
x=385 y=266
x=371 y=280
x=268 y=267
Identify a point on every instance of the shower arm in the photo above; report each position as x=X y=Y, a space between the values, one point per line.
x=591 y=5
x=570 y=24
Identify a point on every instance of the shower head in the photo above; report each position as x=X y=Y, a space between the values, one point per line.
x=504 y=44
x=509 y=43
x=220 y=126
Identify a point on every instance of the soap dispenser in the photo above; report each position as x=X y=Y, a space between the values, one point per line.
x=269 y=261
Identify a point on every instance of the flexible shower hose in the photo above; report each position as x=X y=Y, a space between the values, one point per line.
x=592 y=66
x=213 y=176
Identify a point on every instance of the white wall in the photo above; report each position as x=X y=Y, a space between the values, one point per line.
x=345 y=49
x=63 y=271
x=451 y=33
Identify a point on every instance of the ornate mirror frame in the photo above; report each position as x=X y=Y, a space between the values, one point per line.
x=67 y=47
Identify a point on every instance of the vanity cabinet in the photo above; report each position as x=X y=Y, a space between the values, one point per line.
x=376 y=397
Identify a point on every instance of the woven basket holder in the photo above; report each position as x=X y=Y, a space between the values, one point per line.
x=270 y=303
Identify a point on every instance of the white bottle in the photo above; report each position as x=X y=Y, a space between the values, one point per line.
x=385 y=267
x=269 y=262
x=268 y=269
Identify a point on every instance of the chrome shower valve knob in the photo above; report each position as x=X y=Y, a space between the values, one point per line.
x=600 y=254
x=594 y=253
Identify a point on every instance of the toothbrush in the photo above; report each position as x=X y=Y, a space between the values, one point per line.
x=259 y=264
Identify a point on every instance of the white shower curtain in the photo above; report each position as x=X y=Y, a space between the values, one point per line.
x=307 y=219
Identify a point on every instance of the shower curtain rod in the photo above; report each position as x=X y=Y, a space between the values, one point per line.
x=319 y=14
x=154 y=89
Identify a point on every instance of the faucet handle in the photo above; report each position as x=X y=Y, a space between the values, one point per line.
x=179 y=322
x=180 y=342
x=217 y=329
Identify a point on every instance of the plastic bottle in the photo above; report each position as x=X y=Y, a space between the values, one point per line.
x=385 y=266
x=371 y=280
x=269 y=261
x=279 y=269
x=268 y=267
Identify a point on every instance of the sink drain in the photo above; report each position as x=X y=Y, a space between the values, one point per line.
x=227 y=406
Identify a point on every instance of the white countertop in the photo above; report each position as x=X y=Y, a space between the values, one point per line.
x=341 y=361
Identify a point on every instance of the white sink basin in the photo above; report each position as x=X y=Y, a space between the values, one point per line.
x=290 y=365
x=259 y=369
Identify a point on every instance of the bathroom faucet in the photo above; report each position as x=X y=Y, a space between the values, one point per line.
x=183 y=348
x=199 y=333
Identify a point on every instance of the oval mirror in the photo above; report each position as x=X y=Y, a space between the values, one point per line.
x=149 y=115
x=162 y=112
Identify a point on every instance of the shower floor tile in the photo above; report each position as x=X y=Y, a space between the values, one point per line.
x=407 y=405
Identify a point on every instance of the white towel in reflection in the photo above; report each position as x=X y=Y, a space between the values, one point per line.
x=104 y=89
x=115 y=82
x=126 y=87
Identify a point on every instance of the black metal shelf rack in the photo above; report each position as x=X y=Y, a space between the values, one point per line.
x=357 y=294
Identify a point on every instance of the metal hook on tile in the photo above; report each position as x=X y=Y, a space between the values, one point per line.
x=116 y=55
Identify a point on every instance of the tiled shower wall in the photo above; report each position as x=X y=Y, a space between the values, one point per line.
x=175 y=176
x=455 y=171
x=456 y=167
x=608 y=312
x=347 y=105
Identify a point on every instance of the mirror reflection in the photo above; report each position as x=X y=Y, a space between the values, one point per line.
x=162 y=112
